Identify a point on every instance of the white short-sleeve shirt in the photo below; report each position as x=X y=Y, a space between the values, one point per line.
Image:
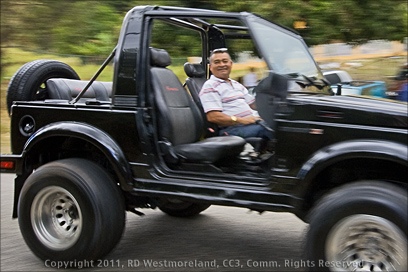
x=231 y=98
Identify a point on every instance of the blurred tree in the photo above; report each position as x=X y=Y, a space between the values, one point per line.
x=351 y=21
x=9 y=22
x=86 y=27
x=6 y=31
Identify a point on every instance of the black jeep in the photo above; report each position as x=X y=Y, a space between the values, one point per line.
x=85 y=152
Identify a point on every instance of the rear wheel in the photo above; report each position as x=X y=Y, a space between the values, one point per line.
x=71 y=209
x=28 y=83
x=360 y=227
x=180 y=208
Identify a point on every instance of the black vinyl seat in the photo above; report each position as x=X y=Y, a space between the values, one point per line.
x=195 y=81
x=67 y=89
x=180 y=122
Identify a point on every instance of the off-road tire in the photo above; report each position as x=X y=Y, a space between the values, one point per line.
x=28 y=83
x=71 y=209
x=359 y=227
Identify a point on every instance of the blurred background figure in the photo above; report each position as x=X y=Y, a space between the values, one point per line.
x=401 y=83
x=250 y=80
x=403 y=93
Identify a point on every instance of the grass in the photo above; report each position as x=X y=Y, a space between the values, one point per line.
x=13 y=58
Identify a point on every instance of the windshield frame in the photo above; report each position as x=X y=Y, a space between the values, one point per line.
x=284 y=50
x=310 y=80
x=289 y=48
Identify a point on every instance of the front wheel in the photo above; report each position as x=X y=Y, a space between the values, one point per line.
x=359 y=227
x=71 y=209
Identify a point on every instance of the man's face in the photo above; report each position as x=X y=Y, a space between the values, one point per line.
x=220 y=65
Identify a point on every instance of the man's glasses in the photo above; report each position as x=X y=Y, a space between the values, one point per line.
x=219 y=50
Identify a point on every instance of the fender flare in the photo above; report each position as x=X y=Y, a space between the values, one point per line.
x=93 y=135
x=362 y=148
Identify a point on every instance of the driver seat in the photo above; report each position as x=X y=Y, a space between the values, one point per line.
x=179 y=120
x=194 y=82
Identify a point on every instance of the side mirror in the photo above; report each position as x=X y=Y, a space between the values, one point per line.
x=338 y=92
x=275 y=85
x=271 y=93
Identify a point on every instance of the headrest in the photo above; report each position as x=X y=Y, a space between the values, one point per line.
x=194 y=69
x=159 y=57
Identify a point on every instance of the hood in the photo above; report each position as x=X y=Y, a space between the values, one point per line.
x=348 y=110
x=358 y=110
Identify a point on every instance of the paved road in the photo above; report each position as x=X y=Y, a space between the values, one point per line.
x=220 y=239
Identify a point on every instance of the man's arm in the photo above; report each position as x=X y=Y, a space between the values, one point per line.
x=224 y=120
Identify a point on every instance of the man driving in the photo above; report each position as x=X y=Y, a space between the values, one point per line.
x=227 y=103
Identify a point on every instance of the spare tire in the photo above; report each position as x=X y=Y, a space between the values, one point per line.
x=28 y=83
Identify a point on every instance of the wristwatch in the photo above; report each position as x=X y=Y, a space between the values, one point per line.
x=234 y=118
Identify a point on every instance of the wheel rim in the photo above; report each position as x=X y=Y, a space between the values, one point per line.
x=41 y=93
x=56 y=218
x=366 y=243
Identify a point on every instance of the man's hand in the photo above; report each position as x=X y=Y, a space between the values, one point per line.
x=247 y=120
x=224 y=120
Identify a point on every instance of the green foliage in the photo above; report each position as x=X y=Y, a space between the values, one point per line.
x=91 y=31
x=188 y=43
x=351 y=21
x=91 y=28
